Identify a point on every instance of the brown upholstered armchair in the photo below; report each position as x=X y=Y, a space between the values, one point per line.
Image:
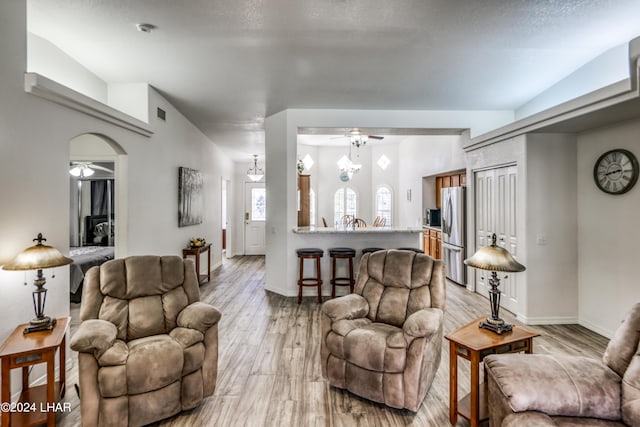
x=147 y=348
x=543 y=390
x=383 y=342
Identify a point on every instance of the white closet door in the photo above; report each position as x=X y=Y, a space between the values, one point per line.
x=484 y=217
x=505 y=229
x=495 y=206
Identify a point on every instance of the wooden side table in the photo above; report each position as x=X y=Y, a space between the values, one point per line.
x=37 y=405
x=472 y=343
x=196 y=251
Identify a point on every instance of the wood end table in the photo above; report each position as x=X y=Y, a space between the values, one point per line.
x=473 y=343
x=39 y=404
x=196 y=251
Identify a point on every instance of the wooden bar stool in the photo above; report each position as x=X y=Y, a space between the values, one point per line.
x=313 y=254
x=341 y=253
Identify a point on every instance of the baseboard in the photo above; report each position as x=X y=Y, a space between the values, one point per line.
x=597 y=329
x=287 y=292
x=307 y=292
x=553 y=320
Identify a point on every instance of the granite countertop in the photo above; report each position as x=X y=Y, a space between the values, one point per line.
x=357 y=230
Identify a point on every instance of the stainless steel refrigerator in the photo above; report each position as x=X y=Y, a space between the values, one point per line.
x=454 y=234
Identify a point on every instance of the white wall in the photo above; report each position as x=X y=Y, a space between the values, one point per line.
x=607 y=68
x=45 y=58
x=387 y=177
x=34 y=163
x=130 y=98
x=608 y=233
x=551 y=229
x=424 y=156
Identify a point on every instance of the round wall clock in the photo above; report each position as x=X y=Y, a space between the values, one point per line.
x=616 y=171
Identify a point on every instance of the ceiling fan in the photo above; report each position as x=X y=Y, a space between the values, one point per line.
x=85 y=169
x=358 y=137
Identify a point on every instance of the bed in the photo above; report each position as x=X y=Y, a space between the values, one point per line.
x=84 y=258
x=98 y=235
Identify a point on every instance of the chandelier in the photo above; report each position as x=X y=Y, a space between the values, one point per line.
x=255 y=173
x=359 y=139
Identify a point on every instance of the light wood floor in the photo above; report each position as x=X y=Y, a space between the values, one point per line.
x=269 y=360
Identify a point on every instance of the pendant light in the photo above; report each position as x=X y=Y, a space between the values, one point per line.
x=255 y=173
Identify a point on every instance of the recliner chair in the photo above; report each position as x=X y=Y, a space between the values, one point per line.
x=544 y=390
x=147 y=348
x=384 y=341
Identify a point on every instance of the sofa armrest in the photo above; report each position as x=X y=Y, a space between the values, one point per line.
x=352 y=306
x=94 y=336
x=199 y=316
x=529 y=419
x=423 y=322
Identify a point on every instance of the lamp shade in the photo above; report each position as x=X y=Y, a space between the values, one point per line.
x=494 y=258
x=38 y=257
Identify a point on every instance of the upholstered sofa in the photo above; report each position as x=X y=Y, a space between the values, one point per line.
x=147 y=348
x=384 y=341
x=541 y=390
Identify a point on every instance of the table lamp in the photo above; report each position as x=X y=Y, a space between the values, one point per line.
x=494 y=258
x=38 y=257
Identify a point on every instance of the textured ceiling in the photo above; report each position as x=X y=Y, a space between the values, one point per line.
x=226 y=64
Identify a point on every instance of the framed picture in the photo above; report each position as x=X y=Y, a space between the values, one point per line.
x=190 y=197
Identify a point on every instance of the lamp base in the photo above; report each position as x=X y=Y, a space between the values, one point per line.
x=498 y=327
x=44 y=324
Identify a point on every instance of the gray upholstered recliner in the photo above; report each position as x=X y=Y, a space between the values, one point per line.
x=147 y=348
x=384 y=341
x=542 y=390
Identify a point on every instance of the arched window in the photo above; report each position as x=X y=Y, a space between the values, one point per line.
x=345 y=202
x=312 y=207
x=384 y=204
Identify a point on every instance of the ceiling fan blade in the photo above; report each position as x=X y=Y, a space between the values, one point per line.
x=375 y=137
x=92 y=166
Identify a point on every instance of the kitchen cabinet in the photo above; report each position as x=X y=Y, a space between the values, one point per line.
x=304 y=189
x=495 y=211
x=432 y=243
x=450 y=180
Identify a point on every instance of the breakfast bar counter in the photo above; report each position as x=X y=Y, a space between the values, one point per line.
x=354 y=238
x=356 y=230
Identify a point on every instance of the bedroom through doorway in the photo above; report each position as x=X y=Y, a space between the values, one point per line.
x=94 y=208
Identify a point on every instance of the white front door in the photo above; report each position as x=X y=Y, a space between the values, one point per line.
x=254 y=218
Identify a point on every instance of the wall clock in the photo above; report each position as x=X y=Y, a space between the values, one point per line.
x=616 y=171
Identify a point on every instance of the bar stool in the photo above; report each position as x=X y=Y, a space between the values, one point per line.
x=313 y=254
x=341 y=253
x=369 y=250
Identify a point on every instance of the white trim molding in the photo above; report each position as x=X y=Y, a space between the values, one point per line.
x=43 y=87
x=553 y=320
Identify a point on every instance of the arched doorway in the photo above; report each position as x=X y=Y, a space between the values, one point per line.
x=98 y=193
